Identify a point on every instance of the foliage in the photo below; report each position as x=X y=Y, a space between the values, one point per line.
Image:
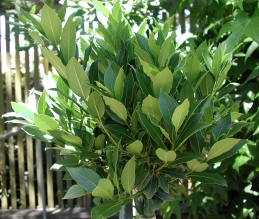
x=148 y=114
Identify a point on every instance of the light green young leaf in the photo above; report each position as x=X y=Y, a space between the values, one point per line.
x=36 y=36
x=116 y=11
x=23 y=110
x=100 y=85
x=221 y=147
x=192 y=68
x=165 y=134
x=101 y=8
x=105 y=189
x=77 y=79
x=68 y=40
x=119 y=85
x=51 y=24
x=146 y=69
x=166 y=156
x=86 y=178
x=196 y=166
x=143 y=27
x=150 y=106
x=180 y=114
x=95 y=105
x=72 y=139
x=45 y=123
x=128 y=175
x=117 y=107
x=135 y=147
x=163 y=81
x=142 y=54
x=42 y=104
x=54 y=61
x=75 y=191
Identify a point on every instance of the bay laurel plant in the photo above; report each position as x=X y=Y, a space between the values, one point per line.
x=135 y=114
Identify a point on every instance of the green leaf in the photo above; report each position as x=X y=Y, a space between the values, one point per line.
x=207 y=85
x=96 y=106
x=142 y=54
x=167 y=49
x=34 y=21
x=74 y=191
x=35 y=35
x=147 y=69
x=180 y=114
x=143 y=27
x=167 y=105
x=221 y=147
x=144 y=84
x=128 y=90
x=185 y=157
x=38 y=134
x=166 y=156
x=174 y=173
x=68 y=40
x=161 y=194
x=109 y=79
x=216 y=62
x=54 y=61
x=72 y=139
x=51 y=24
x=150 y=107
x=163 y=81
x=117 y=107
x=101 y=8
x=105 y=189
x=208 y=178
x=222 y=126
x=128 y=175
x=196 y=166
x=142 y=172
x=62 y=11
x=152 y=130
x=45 y=123
x=77 y=79
x=102 y=87
x=119 y=85
x=192 y=68
x=119 y=132
x=135 y=147
x=99 y=141
x=23 y=110
x=116 y=11
x=153 y=46
x=163 y=183
x=86 y=178
x=151 y=187
x=42 y=104
x=149 y=207
x=106 y=210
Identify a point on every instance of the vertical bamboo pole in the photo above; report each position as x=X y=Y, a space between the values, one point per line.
x=18 y=98
x=29 y=141
x=8 y=79
x=59 y=183
x=182 y=21
x=4 y=204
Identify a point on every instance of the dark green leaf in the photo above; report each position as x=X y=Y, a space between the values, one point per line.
x=151 y=187
x=118 y=132
x=86 y=178
x=174 y=61
x=208 y=178
x=144 y=83
x=152 y=130
x=106 y=210
x=129 y=85
x=163 y=183
x=142 y=172
x=222 y=126
x=185 y=157
x=174 y=173
x=145 y=182
x=109 y=79
x=161 y=194
x=149 y=207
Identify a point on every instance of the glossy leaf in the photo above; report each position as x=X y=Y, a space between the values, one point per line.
x=74 y=191
x=51 y=24
x=86 y=178
x=163 y=183
x=192 y=68
x=142 y=172
x=144 y=84
x=99 y=141
x=161 y=194
x=222 y=126
x=119 y=85
x=148 y=207
x=96 y=106
x=154 y=48
x=68 y=40
x=119 y=132
x=135 y=147
x=54 y=61
x=151 y=187
x=207 y=85
x=185 y=157
x=180 y=114
x=221 y=147
x=174 y=173
x=45 y=123
x=216 y=62
x=106 y=210
x=72 y=139
x=166 y=156
x=208 y=178
x=196 y=166
x=77 y=79
x=163 y=81
x=36 y=36
x=150 y=107
x=167 y=48
x=109 y=79
x=23 y=110
x=128 y=90
x=105 y=189
x=117 y=107
x=128 y=175
x=152 y=130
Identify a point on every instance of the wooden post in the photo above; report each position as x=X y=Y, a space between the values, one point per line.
x=4 y=203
